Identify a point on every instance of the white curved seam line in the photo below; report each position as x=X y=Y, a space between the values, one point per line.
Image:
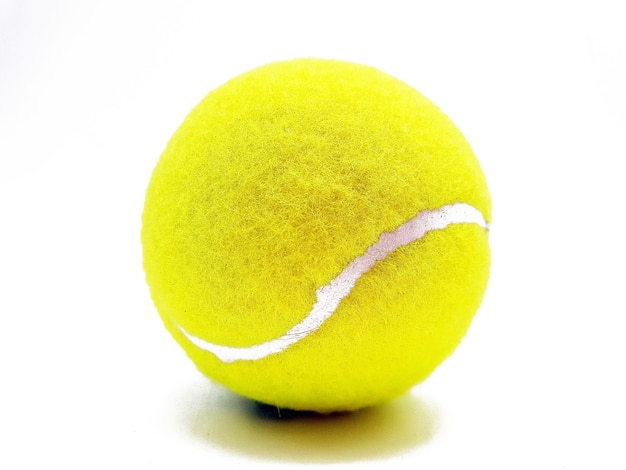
x=329 y=296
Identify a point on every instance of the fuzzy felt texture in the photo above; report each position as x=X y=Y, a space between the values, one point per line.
x=272 y=185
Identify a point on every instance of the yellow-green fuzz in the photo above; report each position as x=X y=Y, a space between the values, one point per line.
x=278 y=180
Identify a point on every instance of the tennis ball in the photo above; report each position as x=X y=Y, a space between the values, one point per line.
x=315 y=235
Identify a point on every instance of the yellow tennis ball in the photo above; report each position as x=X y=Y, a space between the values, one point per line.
x=315 y=235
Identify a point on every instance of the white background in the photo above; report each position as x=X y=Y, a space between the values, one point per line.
x=90 y=92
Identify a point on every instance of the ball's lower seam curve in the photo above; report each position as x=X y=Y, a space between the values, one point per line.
x=330 y=296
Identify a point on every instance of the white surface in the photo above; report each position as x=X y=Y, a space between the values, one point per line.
x=90 y=92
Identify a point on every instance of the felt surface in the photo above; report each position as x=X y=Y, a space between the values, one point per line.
x=272 y=185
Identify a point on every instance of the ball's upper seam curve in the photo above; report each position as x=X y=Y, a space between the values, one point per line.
x=328 y=297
